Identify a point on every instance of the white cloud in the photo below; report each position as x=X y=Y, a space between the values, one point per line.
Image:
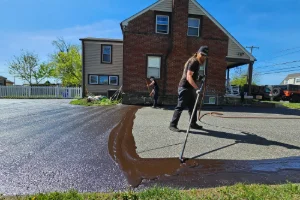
x=40 y=42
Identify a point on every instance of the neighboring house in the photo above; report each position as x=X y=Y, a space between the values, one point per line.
x=102 y=65
x=291 y=79
x=159 y=40
x=2 y=81
x=9 y=83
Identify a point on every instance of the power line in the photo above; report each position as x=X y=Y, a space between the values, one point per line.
x=281 y=69
x=276 y=72
x=276 y=64
x=282 y=55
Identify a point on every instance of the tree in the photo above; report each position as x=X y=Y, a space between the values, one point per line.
x=26 y=66
x=66 y=63
x=240 y=78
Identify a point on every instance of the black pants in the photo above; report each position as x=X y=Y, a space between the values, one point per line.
x=155 y=97
x=186 y=98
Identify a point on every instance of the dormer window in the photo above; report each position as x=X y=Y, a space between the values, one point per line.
x=162 y=24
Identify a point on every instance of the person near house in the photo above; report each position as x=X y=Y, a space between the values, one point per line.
x=187 y=88
x=154 y=91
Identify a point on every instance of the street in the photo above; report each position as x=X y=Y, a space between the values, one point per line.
x=50 y=145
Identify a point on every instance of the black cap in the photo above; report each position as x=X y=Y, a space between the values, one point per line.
x=203 y=50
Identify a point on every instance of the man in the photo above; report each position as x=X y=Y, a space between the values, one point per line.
x=187 y=87
x=154 y=91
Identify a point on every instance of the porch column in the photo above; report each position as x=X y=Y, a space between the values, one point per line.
x=250 y=71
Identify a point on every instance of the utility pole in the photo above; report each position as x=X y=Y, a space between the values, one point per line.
x=250 y=70
x=252 y=47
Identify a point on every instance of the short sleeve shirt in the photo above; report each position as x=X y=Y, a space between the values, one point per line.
x=193 y=65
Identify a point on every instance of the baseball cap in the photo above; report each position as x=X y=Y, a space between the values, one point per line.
x=203 y=50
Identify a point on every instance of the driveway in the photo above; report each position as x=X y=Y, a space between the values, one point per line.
x=226 y=151
x=50 y=145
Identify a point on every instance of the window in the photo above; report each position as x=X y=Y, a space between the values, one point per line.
x=153 y=68
x=113 y=80
x=193 y=27
x=93 y=79
x=162 y=24
x=285 y=82
x=297 y=80
x=103 y=80
x=106 y=54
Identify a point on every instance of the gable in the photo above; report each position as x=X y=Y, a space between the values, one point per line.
x=235 y=49
x=195 y=10
x=232 y=41
x=161 y=5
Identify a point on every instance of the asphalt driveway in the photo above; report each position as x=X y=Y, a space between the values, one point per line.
x=50 y=145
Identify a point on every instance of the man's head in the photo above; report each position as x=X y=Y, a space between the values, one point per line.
x=202 y=54
x=152 y=78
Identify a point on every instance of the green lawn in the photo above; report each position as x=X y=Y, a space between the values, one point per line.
x=239 y=191
x=286 y=104
x=102 y=102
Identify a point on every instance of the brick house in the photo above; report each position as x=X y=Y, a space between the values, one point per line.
x=158 y=41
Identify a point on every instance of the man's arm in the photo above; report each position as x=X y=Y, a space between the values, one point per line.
x=190 y=79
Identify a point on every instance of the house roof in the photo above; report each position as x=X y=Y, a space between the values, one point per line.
x=8 y=81
x=295 y=75
x=101 y=39
x=125 y=22
x=3 y=77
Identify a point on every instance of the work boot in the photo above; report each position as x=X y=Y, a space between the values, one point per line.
x=196 y=126
x=174 y=128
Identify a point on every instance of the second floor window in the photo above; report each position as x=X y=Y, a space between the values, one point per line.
x=162 y=24
x=106 y=54
x=297 y=80
x=193 y=27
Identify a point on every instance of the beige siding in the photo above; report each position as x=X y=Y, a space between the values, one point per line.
x=164 y=5
x=234 y=49
x=194 y=10
x=93 y=65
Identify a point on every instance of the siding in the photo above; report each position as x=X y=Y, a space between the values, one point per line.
x=93 y=65
x=234 y=49
x=194 y=9
x=2 y=81
x=164 y=5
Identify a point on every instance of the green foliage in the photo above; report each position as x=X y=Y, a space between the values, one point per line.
x=240 y=81
x=239 y=191
x=102 y=102
x=26 y=66
x=66 y=63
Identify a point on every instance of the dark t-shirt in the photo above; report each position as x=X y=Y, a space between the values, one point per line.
x=155 y=87
x=193 y=65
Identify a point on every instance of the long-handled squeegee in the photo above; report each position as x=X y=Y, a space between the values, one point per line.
x=193 y=113
x=203 y=70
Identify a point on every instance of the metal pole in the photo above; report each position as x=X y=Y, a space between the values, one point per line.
x=188 y=130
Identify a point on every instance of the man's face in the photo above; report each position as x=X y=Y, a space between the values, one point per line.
x=201 y=58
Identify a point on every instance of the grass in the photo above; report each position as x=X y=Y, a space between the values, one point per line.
x=286 y=104
x=102 y=102
x=239 y=191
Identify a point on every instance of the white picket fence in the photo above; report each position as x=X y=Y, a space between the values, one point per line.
x=41 y=92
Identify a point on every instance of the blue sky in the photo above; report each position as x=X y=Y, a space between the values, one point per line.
x=273 y=25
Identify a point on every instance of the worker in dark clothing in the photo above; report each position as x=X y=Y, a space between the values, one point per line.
x=154 y=91
x=187 y=88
